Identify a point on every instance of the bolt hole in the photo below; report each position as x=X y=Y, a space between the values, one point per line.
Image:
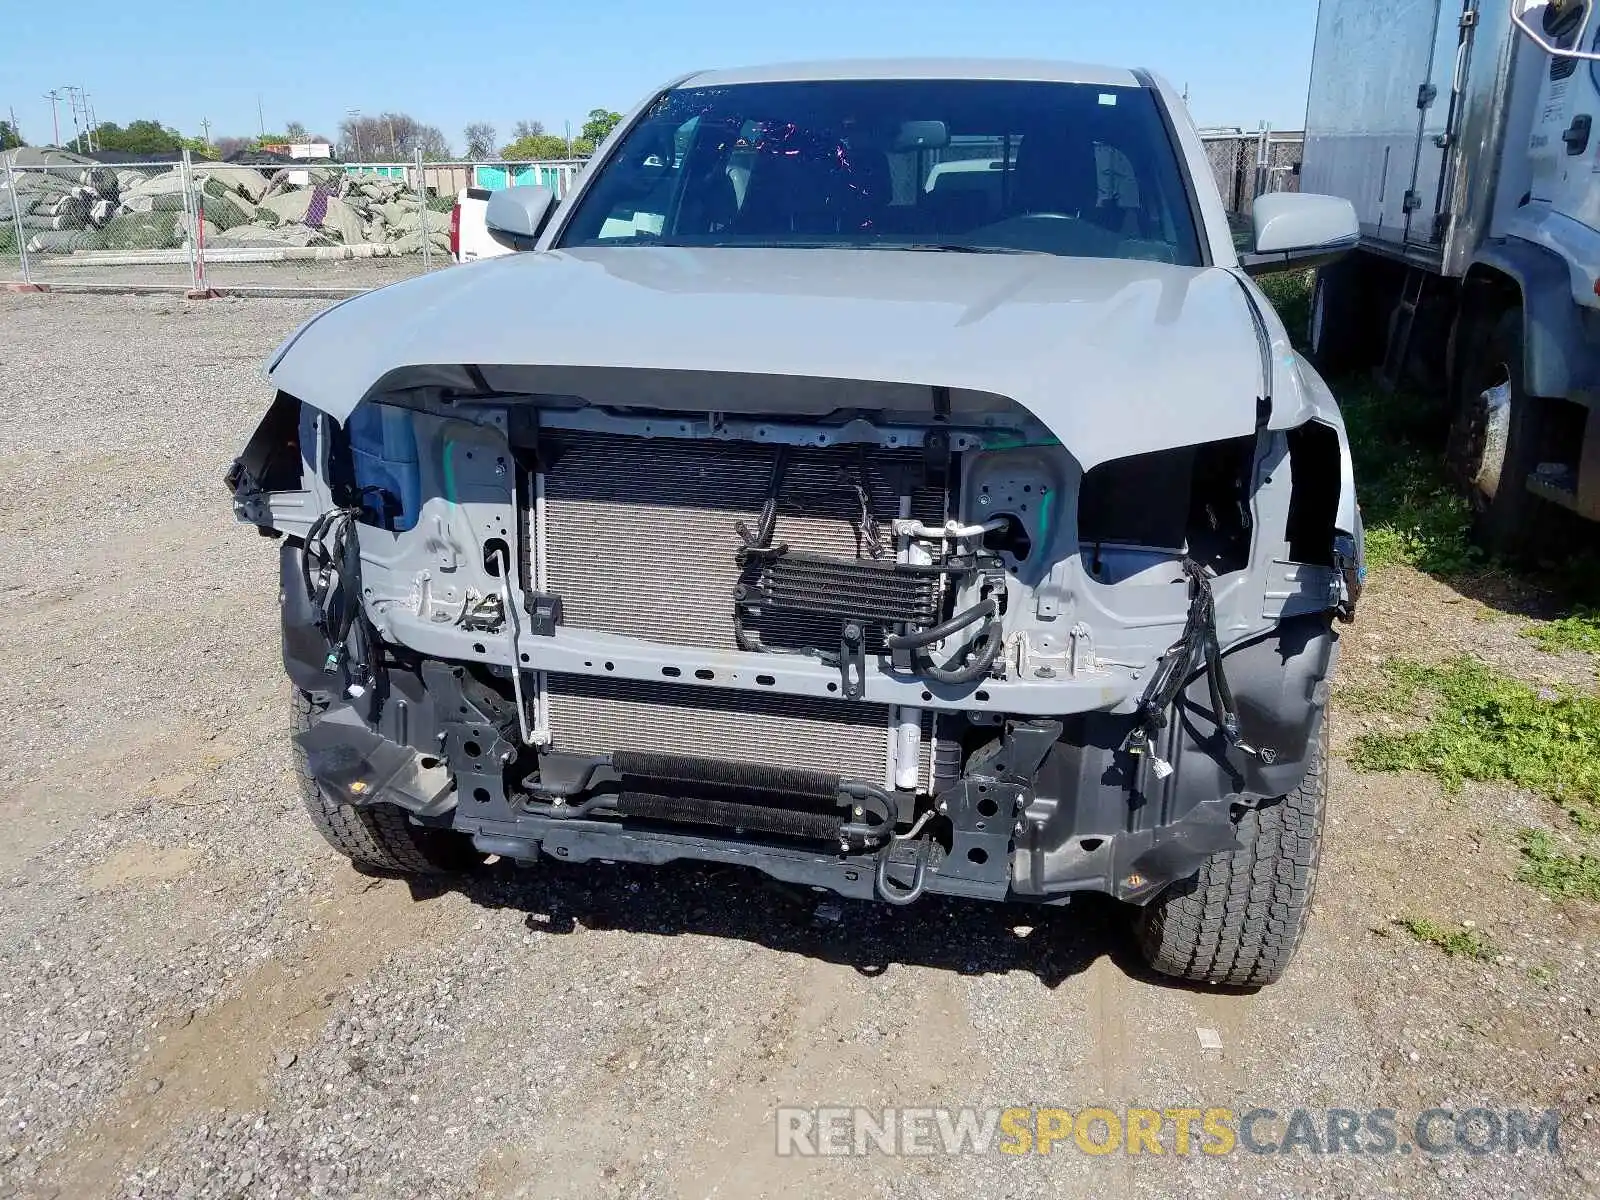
x=983 y=698
x=1091 y=844
x=473 y=749
x=833 y=687
x=927 y=695
x=481 y=795
x=477 y=648
x=703 y=673
x=428 y=762
x=671 y=672
x=765 y=680
x=978 y=855
x=987 y=808
x=524 y=658
x=610 y=666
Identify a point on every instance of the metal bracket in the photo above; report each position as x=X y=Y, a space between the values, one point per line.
x=1412 y=201
x=852 y=661
x=473 y=738
x=1427 y=93
x=544 y=612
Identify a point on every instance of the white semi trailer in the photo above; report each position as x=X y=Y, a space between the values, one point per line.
x=1463 y=132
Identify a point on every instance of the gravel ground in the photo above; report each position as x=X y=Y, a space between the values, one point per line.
x=203 y=1001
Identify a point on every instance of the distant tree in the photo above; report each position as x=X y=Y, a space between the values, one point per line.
x=582 y=147
x=227 y=147
x=139 y=137
x=10 y=136
x=526 y=129
x=295 y=132
x=390 y=137
x=539 y=146
x=480 y=140
x=601 y=122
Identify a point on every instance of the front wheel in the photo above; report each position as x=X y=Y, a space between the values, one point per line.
x=1499 y=436
x=1239 y=920
x=379 y=837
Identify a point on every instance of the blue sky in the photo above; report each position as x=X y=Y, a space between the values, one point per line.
x=448 y=63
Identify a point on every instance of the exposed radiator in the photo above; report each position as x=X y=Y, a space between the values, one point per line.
x=641 y=541
x=593 y=715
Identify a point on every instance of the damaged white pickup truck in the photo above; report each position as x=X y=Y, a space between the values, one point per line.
x=881 y=474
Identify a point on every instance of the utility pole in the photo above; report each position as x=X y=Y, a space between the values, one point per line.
x=261 y=121
x=72 y=106
x=55 y=117
x=88 y=122
x=355 y=128
x=568 y=125
x=205 y=129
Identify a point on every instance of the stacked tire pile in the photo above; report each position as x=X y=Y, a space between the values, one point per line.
x=84 y=206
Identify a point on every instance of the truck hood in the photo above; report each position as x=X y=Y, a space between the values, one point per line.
x=1113 y=357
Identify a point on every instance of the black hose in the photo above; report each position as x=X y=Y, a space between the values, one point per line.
x=927 y=637
x=976 y=668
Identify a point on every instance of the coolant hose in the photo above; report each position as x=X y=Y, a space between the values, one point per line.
x=927 y=637
x=974 y=670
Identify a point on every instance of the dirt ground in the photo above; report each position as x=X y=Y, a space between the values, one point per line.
x=202 y=1000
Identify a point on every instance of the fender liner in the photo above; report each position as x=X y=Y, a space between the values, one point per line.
x=1554 y=343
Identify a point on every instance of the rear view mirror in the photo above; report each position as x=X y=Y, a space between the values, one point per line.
x=922 y=135
x=1293 y=229
x=516 y=215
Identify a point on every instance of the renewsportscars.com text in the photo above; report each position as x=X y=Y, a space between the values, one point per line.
x=841 y=1131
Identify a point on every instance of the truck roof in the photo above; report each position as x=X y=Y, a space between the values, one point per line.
x=1031 y=69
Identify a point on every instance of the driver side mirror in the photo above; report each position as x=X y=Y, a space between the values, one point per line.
x=1296 y=229
x=516 y=215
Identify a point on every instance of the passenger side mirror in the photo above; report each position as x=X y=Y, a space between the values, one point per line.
x=516 y=215
x=1295 y=229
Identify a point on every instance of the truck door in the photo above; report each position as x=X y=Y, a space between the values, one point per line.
x=1564 y=144
x=1363 y=127
x=1439 y=96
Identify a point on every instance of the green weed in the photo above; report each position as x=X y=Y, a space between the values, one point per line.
x=1559 y=876
x=1457 y=943
x=1484 y=726
x=1579 y=632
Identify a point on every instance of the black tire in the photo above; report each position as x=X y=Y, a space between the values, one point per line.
x=1341 y=327
x=1509 y=521
x=380 y=837
x=1239 y=920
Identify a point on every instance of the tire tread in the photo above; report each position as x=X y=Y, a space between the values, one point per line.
x=1240 y=920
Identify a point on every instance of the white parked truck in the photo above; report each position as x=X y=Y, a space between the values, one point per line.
x=1462 y=130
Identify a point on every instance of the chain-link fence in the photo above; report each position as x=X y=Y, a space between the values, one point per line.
x=1248 y=164
x=197 y=226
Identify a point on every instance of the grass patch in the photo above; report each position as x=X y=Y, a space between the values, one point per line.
x=1290 y=293
x=1559 y=876
x=1457 y=943
x=1578 y=632
x=1411 y=508
x=1483 y=726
